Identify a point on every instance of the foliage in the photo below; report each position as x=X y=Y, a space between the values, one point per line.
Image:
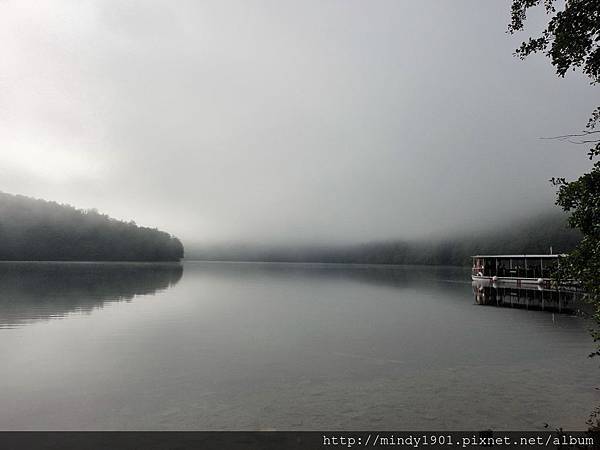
x=38 y=230
x=583 y=199
x=571 y=40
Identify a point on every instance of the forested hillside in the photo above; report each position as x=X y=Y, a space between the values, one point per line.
x=40 y=230
x=534 y=235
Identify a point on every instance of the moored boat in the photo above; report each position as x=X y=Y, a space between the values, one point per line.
x=533 y=269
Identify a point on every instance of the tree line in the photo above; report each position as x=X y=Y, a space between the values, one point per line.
x=39 y=230
x=534 y=235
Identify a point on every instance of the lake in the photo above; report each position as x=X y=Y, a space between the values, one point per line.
x=259 y=346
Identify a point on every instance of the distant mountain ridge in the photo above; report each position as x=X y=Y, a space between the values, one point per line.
x=40 y=230
x=533 y=235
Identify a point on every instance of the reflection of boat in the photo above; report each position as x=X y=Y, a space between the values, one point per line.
x=519 y=269
x=533 y=297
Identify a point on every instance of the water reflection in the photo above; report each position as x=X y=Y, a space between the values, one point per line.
x=529 y=297
x=377 y=275
x=241 y=346
x=31 y=292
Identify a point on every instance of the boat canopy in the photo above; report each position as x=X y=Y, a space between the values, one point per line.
x=515 y=266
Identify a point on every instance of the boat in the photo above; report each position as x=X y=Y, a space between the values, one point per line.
x=518 y=269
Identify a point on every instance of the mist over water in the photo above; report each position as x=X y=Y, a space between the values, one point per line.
x=244 y=346
x=284 y=123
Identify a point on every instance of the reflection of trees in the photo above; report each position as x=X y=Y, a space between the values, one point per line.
x=40 y=291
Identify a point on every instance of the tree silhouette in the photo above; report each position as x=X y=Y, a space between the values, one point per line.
x=38 y=230
x=571 y=40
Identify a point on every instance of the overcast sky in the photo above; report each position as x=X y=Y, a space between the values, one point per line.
x=283 y=121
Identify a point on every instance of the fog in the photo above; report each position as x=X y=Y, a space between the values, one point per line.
x=283 y=121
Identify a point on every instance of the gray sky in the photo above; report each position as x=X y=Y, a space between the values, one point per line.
x=283 y=121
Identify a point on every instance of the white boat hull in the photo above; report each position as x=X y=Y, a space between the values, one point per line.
x=512 y=280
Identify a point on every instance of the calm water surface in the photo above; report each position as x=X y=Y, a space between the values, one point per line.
x=280 y=346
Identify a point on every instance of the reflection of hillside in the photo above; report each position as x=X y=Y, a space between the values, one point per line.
x=40 y=291
x=527 y=297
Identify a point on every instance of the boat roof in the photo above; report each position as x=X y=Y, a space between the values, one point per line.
x=519 y=256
